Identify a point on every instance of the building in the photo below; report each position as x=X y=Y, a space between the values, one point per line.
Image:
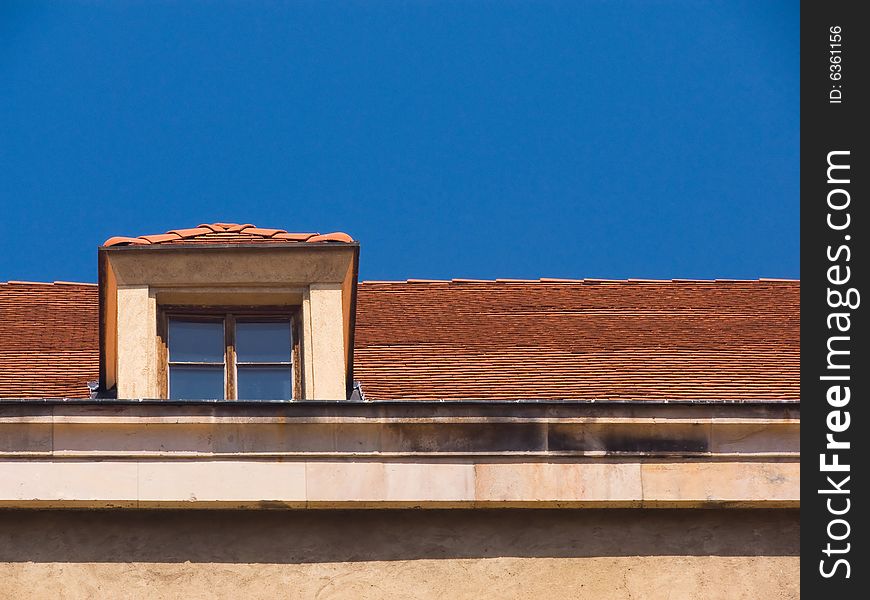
x=417 y=439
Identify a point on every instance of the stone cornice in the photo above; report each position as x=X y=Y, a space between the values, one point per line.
x=398 y=454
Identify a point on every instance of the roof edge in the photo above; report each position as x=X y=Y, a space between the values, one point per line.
x=587 y=280
x=420 y=403
x=14 y=282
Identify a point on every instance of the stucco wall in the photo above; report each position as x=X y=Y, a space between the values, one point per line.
x=595 y=554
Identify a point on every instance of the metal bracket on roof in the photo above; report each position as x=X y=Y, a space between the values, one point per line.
x=357 y=394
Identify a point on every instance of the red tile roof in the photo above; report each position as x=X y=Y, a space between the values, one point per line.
x=620 y=340
x=227 y=233
x=49 y=340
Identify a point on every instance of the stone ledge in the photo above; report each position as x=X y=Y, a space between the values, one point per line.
x=398 y=484
x=308 y=430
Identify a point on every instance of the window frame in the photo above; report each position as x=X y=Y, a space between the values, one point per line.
x=228 y=315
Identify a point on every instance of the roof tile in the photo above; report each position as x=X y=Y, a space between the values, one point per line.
x=235 y=227
x=49 y=346
x=260 y=231
x=294 y=237
x=161 y=237
x=119 y=240
x=571 y=340
x=217 y=227
x=189 y=233
x=337 y=236
x=720 y=341
x=223 y=233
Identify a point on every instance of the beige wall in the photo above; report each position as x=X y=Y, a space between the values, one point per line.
x=478 y=459
x=137 y=359
x=599 y=555
x=327 y=343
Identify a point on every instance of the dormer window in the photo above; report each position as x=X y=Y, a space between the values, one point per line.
x=228 y=312
x=231 y=355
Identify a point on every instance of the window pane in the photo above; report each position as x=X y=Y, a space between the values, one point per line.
x=196 y=382
x=263 y=342
x=196 y=341
x=264 y=383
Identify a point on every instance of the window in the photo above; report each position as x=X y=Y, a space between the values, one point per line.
x=230 y=355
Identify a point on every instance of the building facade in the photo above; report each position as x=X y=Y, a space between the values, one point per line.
x=229 y=412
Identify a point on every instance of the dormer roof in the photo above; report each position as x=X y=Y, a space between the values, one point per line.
x=229 y=233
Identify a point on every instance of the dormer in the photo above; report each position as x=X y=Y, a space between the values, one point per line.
x=225 y=311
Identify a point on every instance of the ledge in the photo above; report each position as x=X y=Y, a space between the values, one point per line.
x=481 y=403
x=154 y=454
x=101 y=430
x=397 y=484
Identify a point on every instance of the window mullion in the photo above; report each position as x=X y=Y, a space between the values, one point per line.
x=295 y=359
x=230 y=357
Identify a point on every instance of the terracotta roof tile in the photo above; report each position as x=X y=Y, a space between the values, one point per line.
x=557 y=280
x=193 y=232
x=293 y=237
x=48 y=339
x=592 y=339
x=486 y=340
x=336 y=236
x=228 y=233
x=234 y=227
x=161 y=237
x=120 y=240
x=261 y=232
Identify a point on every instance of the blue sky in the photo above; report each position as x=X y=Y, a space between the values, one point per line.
x=454 y=139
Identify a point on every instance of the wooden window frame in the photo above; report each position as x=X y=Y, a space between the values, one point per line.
x=228 y=315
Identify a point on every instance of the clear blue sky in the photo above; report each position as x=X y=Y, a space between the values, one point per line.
x=453 y=139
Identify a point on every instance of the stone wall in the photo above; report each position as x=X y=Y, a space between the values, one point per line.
x=626 y=554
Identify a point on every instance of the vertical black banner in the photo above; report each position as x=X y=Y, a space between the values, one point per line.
x=835 y=457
